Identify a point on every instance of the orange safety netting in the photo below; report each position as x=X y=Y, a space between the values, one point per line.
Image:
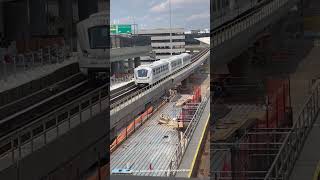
x=129 y=129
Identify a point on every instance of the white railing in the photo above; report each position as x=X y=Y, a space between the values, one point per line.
x=186 y=137
x=23 y=141
x=125 y=78
x=292 y=145
x=230 y=30
x=31 y=60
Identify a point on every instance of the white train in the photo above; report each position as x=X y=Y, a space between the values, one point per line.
x=93 y=38
x=151 y=73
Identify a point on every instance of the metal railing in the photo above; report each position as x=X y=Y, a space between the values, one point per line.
x=226 y=14
x=228 y=31
x=30 y=60
x=23 y=141
x=289 y=151
x=186 y=137
x=125 y=78
x=138 y=94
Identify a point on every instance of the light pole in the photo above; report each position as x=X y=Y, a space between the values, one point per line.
x=170 y=28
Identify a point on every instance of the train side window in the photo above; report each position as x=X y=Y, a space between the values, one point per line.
x=25 y=137
x=5 y=148
x=85 y=104
x=95 y=99
x=37 y=130
x=74 y=110
x=62 y=117
x=104 y=93
x=50 y=123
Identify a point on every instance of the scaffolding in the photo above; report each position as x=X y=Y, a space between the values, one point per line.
x=248 y=138
x=249 y=157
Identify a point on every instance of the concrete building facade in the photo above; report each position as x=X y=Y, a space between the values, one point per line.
x=160 y=41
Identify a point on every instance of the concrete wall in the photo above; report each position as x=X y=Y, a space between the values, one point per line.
x=232 y=48
x=67 y=157
x=16 y=20
x=1 y=19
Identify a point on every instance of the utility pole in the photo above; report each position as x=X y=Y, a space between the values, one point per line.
x=170 y=28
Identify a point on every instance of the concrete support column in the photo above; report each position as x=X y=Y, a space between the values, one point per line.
x=38 y=17
x=117 y=67
x=122 y=67
x=185 y=82
x=66 y=12
x=130 y=65
x=14 y=12
x=102 y=5
x=232 y=4
x=1 y=20
x=137 y=62
x=115 y=41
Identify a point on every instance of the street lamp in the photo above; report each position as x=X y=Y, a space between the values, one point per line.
x=170 y=28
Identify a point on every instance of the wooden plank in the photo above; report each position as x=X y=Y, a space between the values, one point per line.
x=240 y=117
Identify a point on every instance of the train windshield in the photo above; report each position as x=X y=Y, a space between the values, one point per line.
x=142 y=73
x=98 y=37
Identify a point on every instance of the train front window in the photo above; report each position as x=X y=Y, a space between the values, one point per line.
x=142 y=73
x=98 y=37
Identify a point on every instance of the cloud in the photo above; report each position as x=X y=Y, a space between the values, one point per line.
x=204 y=15
x=164 y=6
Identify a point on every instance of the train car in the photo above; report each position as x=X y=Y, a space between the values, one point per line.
x=186 y=58
x=93 y=38
x=151 y=73
x=175 y=63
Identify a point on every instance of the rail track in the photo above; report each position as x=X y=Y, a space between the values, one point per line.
x=35 y=111
x=23 y=103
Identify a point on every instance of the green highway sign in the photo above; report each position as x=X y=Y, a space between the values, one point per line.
x=121 y=29
x=113 y=29
x=124 y=29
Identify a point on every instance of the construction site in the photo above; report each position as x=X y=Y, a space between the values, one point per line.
x=156 y=141
x=266 y=105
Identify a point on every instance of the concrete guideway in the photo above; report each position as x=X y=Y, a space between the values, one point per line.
x=119 y=54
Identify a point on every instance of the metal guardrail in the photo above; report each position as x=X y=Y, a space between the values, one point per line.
x=292 y=145
x=226 y=14
x=24 y=141
x=228 y=31
x=125 y=78
x=134 y=96
x=186 y=137
x=30 y=60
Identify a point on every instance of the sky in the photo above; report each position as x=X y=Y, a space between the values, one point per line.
x=148 y=14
